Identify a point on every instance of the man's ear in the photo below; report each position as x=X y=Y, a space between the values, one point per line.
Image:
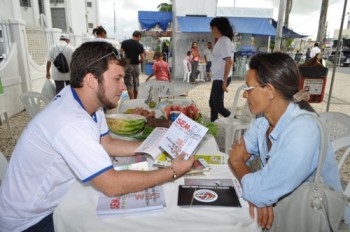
x=90 y=81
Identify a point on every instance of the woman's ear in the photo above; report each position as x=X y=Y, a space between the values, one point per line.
x=271 y=91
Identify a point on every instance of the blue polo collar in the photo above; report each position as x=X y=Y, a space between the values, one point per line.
x=76 y=97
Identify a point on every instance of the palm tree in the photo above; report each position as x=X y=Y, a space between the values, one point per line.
x=288 y=10
x=165 y=7
x=322 y=23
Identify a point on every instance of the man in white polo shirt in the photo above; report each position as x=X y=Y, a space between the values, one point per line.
x=315 y=50
x=70 y=140
x=63 y=46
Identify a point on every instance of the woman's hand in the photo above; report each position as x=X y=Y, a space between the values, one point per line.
x=238 y=152
x=237 y=160
x=265 y=215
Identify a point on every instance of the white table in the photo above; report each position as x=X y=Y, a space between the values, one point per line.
x=77 y=211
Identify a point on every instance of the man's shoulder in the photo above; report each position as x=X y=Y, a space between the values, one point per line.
x=127 y=41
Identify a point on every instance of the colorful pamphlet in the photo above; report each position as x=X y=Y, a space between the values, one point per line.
x=182 y=137
x=146 y=201
x=201 y=195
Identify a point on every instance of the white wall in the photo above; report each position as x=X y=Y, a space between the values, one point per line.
x=245 y=12
x=28 y=15
x=12 y=83
x=76 y=16
x=183 y=44
x=195 y=7
x=345 y=33
x=182 y=41
x=8 y=9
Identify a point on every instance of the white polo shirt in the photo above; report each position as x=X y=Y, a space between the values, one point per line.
x=61 y=144
x=223 y=48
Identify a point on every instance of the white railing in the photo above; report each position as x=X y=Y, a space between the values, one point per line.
x=5 y=39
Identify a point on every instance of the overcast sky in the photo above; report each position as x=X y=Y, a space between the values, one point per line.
x=304 y=16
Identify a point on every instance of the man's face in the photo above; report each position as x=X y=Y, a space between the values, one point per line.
x=110 y=91
x=209 y=45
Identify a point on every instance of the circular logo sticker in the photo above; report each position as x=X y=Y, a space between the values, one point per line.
x=205 y=195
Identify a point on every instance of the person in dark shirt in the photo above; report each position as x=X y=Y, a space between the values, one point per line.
x=133 y=51
x=297 y=57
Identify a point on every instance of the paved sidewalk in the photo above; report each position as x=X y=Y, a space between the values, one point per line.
x=200 y=94
x=340 y=100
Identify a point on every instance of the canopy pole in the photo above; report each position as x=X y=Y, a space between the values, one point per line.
x=336 y=56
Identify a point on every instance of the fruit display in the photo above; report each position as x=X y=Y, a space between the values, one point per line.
x=125 y=124
x=190 y=111
x=141 y=111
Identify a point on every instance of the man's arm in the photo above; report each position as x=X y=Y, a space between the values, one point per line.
x=114 y=182
x=122 y=53
x=142 y=57
x=48 y=67
x=118 y=147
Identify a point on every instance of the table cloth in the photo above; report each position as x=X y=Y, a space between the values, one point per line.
x=77 y=211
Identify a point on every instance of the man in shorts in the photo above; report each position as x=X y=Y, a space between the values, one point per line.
x=134 y=52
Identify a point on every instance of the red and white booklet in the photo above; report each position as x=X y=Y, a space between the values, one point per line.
x=183 y=136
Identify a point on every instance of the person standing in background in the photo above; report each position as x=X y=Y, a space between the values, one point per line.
x=61 y=79
x=221 y=68
x=100 y=33
x=165 y=51
x=188 y=56
x=208 y=54
x=195 y=59
x=297 y=57
x=160 y=68
x=134 y=52
x=307 y=54
x=315 y=50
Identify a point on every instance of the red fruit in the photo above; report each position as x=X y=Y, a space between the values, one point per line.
x=167 y=112
x=195 y=113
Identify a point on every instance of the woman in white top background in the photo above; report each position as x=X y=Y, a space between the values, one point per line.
x=221 y=67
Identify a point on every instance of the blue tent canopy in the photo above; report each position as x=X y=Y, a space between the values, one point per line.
x=150 y=19
x=254 y=26
x=287 y=33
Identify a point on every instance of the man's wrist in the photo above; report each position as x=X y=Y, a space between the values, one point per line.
x=173 y=171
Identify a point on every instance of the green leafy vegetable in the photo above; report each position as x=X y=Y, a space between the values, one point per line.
x=147 y=130
x=212 y=128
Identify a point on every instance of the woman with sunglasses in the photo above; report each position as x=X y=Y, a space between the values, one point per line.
x=221 y=68
x=287 y=147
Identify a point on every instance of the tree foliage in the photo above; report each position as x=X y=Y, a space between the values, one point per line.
x=165 y=7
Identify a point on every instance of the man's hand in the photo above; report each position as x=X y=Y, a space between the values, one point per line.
x=181 y=166
x=265 y=215
x=224 y=86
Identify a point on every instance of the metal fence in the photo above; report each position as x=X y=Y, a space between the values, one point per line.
x=37 y=44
